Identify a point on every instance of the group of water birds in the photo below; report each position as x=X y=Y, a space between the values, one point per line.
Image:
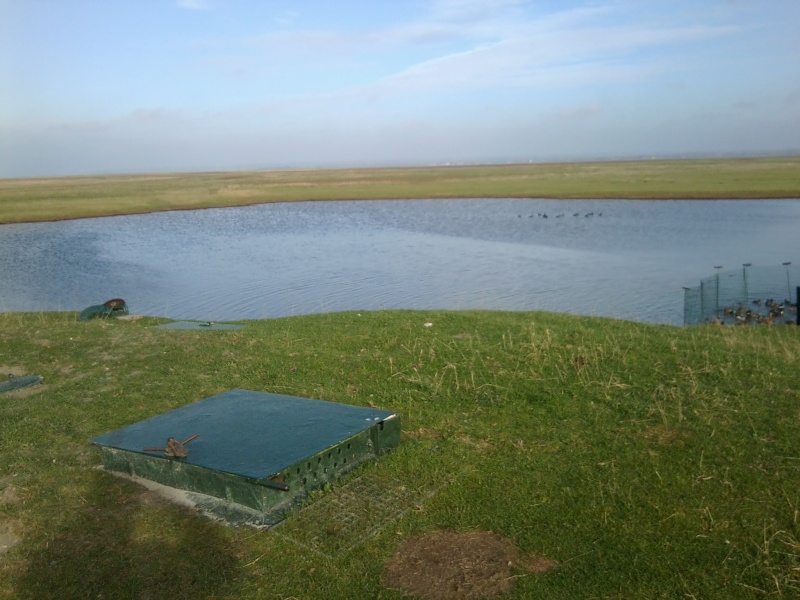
x=543 y=215
x=767 y=312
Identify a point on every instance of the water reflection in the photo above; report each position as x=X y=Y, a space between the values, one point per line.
x=626 y=259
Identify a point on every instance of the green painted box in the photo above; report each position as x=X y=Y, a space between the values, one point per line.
x=257 y=455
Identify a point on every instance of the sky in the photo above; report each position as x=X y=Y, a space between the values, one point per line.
x=127 y=86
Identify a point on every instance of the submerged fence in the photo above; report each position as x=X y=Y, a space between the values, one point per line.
x=748 y=295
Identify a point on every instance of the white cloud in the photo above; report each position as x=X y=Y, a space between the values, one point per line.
x=475 y=43
x=466 y=11
x=196 y=4
x=561 y=56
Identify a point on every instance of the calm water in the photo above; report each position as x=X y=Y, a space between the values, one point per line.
x=619 y=258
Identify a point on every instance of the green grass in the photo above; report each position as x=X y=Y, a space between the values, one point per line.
x=648 y=461
x=43 y=199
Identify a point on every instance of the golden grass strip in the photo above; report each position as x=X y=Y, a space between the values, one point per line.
x=55 y=198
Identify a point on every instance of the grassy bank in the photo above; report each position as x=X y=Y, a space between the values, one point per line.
x=46 y=199
x=644 y=461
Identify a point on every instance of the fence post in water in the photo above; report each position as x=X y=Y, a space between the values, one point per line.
x=686 y=313
x=702 y=304
x=788 y=281
x=716 y=302
x=797 y=305
x=744 y=277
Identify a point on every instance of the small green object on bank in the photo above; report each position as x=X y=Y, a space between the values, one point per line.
x=18 y=383
x=110 y=308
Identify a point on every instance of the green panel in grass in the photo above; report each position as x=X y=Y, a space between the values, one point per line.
x=17 y=383
x=203 y=325
x=263 y=453
x=116 y=307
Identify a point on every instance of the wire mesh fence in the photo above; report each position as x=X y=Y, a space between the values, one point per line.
x=748 y=295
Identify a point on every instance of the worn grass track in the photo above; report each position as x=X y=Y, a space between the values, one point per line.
x=44 y=199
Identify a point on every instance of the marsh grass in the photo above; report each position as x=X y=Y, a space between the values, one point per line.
x=647 y=461
x=44 y=199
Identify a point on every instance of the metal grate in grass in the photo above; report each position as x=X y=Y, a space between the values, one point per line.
x=349 y=515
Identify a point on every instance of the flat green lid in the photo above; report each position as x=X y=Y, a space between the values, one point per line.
x=246 y=433
x=17 y=383
x=202 y=325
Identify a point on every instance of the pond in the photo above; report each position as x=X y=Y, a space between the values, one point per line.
x=616 y=258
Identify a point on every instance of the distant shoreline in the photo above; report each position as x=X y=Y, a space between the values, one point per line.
x=64 y=198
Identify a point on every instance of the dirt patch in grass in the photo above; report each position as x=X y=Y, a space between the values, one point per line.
x=9 y=371
x=8 y=536
x=424 y=433
x=8 y=493
x=664 y=435
x=449 y=564
x=28 y=391
x=9 y=529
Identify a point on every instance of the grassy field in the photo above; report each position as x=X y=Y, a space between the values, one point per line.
x=634 y=460
x=45 y=199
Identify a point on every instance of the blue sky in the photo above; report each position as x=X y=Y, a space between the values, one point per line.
x=117 y=86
